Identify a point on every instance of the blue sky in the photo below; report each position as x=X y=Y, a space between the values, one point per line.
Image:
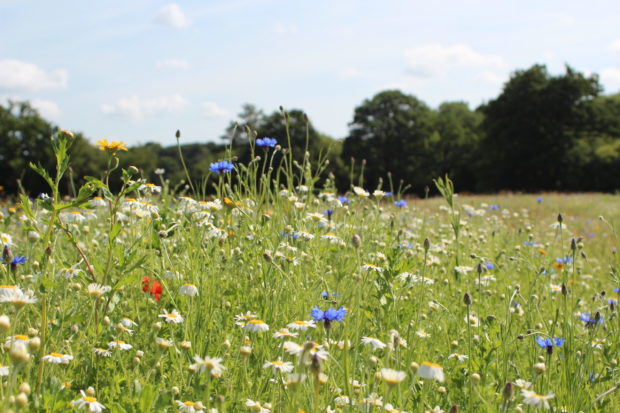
x=138 y=70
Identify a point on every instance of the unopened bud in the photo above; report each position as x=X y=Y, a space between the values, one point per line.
x=427 y=244
x=508 y=391
x=5 y=323
x=21 y=400
x=467 y=299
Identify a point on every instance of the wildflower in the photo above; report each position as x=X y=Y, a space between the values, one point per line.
x=173 y=317
x=591 y=321
x=102 y=352
x=598 y=344
x=69 y=273
x=375 y=343
x=156 y=290
x=14 y=295
x=548 y=343
x=189 y=290
x=221 y=167
x=472 y=320
x=522 y=384
x=536 y=400
x=301 y=325
x=4 y=370
x=256 y=406
x=58 y=358
x=120 y=345
x=559 y=263
x=97 y=290
x=343 y=200
x=459 y=357
x=462 y=269
x=256 y=325
x=190 y=407
x=162 y=342
x=392 y=377
x=242 y=319
x=430 y=370
x=283 y=333
x=128 y=322
x=371 y=267
x=173 y=275
x=422 y=334
x=88 y=403
x=279 y=365
x=6 y=239
x=361 y=192
x=111 y=147
x=266 y=142
x=212 y=365
x=401 y=203
x=389 y=408
x=329 y=315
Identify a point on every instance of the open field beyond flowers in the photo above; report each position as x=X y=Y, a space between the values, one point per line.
x=300 y=299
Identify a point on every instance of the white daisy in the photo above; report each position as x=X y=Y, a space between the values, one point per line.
x=172 y=317
x=88 y=403
x=375 y=343
x=428 y=370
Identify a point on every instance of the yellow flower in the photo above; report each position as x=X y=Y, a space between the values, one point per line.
x=113 y=146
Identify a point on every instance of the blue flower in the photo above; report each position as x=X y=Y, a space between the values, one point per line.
x=494 y=207
x=19 y=260
x=266 y=142
x=221 y=167
x=548 y=343
x=388 y=193
x=565 y=260
x=529 y=243
x=344 y=200
x=616 y=290
x=591 y=321
x=489 y=266
x=329 y=315
x=539 y=199
x=400 y=203
x=329 y=213
x=612 y=302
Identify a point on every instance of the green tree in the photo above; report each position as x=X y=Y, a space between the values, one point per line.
x=393 y=132
x=530 y=128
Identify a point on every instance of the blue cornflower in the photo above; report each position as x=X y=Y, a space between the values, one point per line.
x=494 y=207
x=329 y=315
x=266 y=142
x=489 y=266
x=388 y=193
x=400 y=203
x=344 y=200
x=325 y=295
x=19 y=260
x=612 y=302
x=564 y=260
x=548 y=343
x=617 y=290
x=539 y=199
x=221 y=167
x=591 y=321
x=329 y=213
x=529 y=243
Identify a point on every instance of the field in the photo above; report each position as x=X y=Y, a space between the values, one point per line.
x=300 y=299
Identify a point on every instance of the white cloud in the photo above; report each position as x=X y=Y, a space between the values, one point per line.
x=615 y=46
x=492 y=77
x=435 y=60
x=172 y=64
x=47 y=108
x=610 y=77
x=18 y=75
x=213 y=110
x=134 y=107
x=172 y=15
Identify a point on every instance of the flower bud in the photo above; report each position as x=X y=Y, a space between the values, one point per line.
x=5 y=323
x=539 y=368
x=21 y=400
x=508 y=391
x=467 y=299
x=24 y=388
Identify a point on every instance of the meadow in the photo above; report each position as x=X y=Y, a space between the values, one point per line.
x=276 y=295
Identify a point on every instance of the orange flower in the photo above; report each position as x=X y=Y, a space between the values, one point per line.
x=113 y=146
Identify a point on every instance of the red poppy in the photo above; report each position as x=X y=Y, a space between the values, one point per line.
x=145 y=283
x=156 y=290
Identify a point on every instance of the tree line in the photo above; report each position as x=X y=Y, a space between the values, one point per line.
x=542 y=133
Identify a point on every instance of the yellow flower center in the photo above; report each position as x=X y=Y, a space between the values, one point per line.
x=171 y=315
x=21 y=337
x=429 y=364
x=188 y=403
x=56 y=354
x=256 y=322
x=89 y=399
x=277 y=363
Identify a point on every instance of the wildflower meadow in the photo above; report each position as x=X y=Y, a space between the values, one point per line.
x=264 y=289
